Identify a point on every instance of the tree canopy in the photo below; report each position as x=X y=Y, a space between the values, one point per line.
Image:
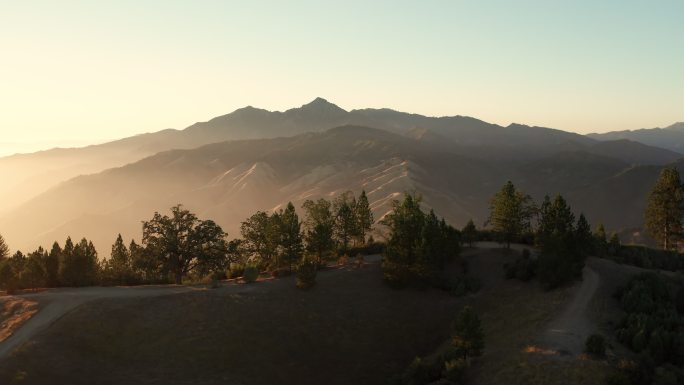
x=665 y=209
x=510 y=213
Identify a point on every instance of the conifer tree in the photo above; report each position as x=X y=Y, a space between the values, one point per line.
x=4 y=249
x=52 y=265
x=345 y=221
x=467 y=335
x=510 y=213
x=319 y=227
x=364 y=218
x=290 y=236
x=469 y=233
x=665 y=209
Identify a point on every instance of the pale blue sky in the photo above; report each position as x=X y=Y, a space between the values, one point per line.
x=75 y=71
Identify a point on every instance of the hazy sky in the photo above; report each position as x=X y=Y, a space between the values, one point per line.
x=80 y=71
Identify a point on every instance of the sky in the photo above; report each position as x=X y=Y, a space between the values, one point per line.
x=75 y=72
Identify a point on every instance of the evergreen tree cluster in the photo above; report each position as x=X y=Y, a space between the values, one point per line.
x=665 y=209
x=652 y=327
x=73 y=265
x=280 y=240
x=419 y=244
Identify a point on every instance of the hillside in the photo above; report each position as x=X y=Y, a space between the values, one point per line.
x=27 y=175
x=231 y=180
x=671 y=137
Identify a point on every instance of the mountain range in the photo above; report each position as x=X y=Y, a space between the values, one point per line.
x=253 y=159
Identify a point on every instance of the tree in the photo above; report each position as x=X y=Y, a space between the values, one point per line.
x=419 y=244
x=318 y=224
x=469 y=233
x=467 y=335
x=33 y=275
x=564 y=244
x=345 y=221
x=364 y=218
x=182 y=242
x=260 y=237
x=510 y=213
x=52 y=265
x=600 y=240
x=291 y=244
x=145 y=265
x=665 y=209
x=120 y=262
x=4 y=249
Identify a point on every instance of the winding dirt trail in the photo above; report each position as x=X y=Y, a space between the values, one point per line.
x=567 y=333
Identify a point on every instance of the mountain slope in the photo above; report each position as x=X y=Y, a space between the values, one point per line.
x=671 y=137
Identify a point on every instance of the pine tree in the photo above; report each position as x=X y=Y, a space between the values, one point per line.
x=290 y=236
x=468 y=335
x=120 y=261
x=583 y=237
x=52 y=265
x=600 y=240
x=665 y=209
x=319 y=227
x=364 y=218
x=345 y=222
x=510 y=213
x=4 y=249
x=469 y=233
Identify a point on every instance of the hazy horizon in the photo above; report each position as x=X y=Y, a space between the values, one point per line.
x=116 y=69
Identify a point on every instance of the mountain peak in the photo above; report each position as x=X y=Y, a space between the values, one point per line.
x=320 y=104
x=679 y=126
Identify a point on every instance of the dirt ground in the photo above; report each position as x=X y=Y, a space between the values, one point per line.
x=349 y=329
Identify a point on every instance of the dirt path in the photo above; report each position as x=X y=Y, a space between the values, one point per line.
x=567 y=333
x=56 y=303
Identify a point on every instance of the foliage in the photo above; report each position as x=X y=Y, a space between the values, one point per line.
x=665 y=209
x=468 y=335
x=306 y=274
x=318 y=225
x=652 y=327
x=345 y=221
x=182 y=243
x=236 y=270
x=564 y=244
x=4 y=249
x=419 y=244
x=523 y=268
x=364 y=219
x=596 y=345
x=510 y=213
x=469 y=233
x=250 y=274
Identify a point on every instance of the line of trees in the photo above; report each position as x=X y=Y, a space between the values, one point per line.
x=179 y=245
x=564 y=242
x=419 y=244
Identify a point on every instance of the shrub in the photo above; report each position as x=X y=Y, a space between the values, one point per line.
x=618 y=378
x=306 y=274
x=235 y=270
x=343 y=260
x=595 y=345
x=454 y=370
x=250 y=274
x=524 y=268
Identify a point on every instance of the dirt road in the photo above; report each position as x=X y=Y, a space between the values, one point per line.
x=567 y=333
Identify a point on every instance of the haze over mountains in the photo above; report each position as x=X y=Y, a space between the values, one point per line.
x=252 y=159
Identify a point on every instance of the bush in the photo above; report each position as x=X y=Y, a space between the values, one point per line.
x=235 y=270
x=250 y=274
x=618 y=378
x=595 y=345
x=343 y=260
x=306 y=274
x=524 y=268
x=454 y=370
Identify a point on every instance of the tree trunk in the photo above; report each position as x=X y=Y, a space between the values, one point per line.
x=179 y=277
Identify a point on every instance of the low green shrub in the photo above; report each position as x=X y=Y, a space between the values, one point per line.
x=595 y=345
x=523 y=268
x=306 y=274
x=250 y=274
x=235 y=270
